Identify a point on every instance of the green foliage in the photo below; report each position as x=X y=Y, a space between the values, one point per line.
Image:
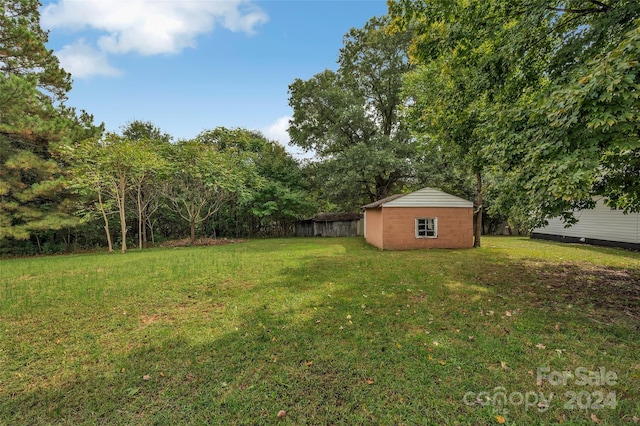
x=544 y=94
x=105 y=171
x=22 y=48
x=202 y=178
x=602 y=106
x=275 y=194
x=461 y=74
x=351 y=117
x=575 y=133
x=145 y=130
x=33 y=195
x=227 y=182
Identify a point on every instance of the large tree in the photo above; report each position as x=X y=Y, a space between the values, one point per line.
x=276 y=192
x=202 y=178
x=149 y=172
x=461 y=72
x=33 y=195
x=553 y=95
x=351 y=117
x=576 y=135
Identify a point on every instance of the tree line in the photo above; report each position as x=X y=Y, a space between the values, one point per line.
x=529 y=108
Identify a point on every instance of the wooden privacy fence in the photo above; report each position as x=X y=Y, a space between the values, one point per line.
x=331 y=225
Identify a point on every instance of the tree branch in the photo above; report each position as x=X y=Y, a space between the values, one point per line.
x=578 y=11
x=599 y=3
x=602 y=9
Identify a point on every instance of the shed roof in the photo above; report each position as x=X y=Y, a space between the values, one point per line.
x=379 y=203
x=425 y=197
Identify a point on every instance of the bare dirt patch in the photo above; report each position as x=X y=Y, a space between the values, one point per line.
x=604 y=289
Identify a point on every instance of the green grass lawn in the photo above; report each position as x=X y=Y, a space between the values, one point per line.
x=331 y=330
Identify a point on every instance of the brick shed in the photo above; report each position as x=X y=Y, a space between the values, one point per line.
x=427 y=218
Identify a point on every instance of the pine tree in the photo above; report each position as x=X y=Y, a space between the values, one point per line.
x=33 y=120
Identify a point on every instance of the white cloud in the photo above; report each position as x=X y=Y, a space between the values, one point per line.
x=83 y=61
x=151 y=27
x=277 y=131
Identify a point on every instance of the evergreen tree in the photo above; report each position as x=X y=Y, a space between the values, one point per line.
x=33 y=121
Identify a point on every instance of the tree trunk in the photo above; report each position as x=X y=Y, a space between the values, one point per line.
x=150 y=225
x=478 y=227
x=144 y=229
x=193 y=231
x=140 y=223
x=106 y=222
x=123 y=218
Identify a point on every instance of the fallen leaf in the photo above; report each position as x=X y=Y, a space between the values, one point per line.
x=146 y=377
x=472 y=338
x=595 y=418
x=435 y=343
x=369 y=381
x=500 y=419
x=281 y=413
x=348 y=316
x=309 y=363
x=541 y=346
x=457 y=330
x=504 y=366
x=557 y=327
x=442 y=362
x=636 y=419
x=490 y=313
x=508 y=313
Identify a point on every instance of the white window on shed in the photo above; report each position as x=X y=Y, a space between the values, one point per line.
x=427 y=227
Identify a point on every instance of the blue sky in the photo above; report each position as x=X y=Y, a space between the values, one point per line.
x=191 y=65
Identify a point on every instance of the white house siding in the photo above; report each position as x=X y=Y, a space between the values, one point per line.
x=429 y=197
x=601 y=223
